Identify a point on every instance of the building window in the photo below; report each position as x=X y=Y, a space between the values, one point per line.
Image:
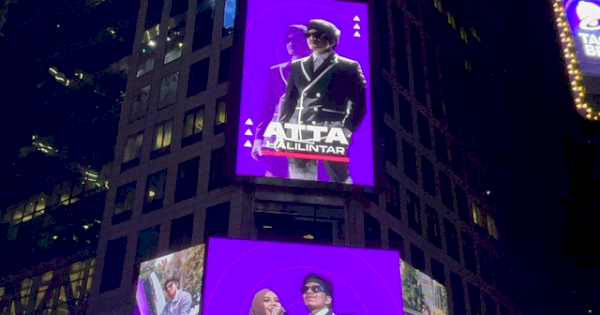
x=139 y=108
x=433 y=227
x=504 y=310
x=217 y=178
x=472 y=175
x=499 y=275
x=124 y=203
x=392 y=202
x=418 y=257
x=147 y=244
x=220 y=115
x=385 y=94
x=224 y=69
x=155 y=191
x=148 y=50
x=428 y=176
x=372 y=232
x=458 y=294
x=476 y=215
x=405 y=108
x=187 y=179
x=485 y=265
x=423 y=127
x=463 y=35
x=410 y=161
x=437 y=271
x=417 y=63
x=168 y=90
x=446 y=189
x=469 y=252
x=399 y=22
x=491 y=225
x=463 y=204
x=133 y=151
x=175 y=36
x=396 y=242
x=181 y=232
x=204 y=24
x=229 y=14
x=193 y=124
x=433 y=77
x=178 y=7
x=112 y=271
x=413 y=207
x=474 y=299
x=441 y=149
x=153 y=12
x=451 y=240
x=217 y=221
x=198 y=80
x=383 y=38
x=71 y=195
x=161 y=142
x=490 y=305
x=391 y=144
x=457 y=162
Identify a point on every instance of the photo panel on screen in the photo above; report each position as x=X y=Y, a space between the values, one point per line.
x=305 y=111
x=270 y=278
x=421 y=294
x=171 y=284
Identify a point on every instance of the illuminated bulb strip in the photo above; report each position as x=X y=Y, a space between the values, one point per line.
x=575 y=78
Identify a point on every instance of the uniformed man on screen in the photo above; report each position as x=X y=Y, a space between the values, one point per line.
x=324 y=90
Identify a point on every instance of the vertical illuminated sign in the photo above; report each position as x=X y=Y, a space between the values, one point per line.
x=578 y=22
x=305 y=109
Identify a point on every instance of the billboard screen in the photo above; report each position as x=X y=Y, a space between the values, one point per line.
x=171 y=284
x=266 y=278
x=305 y=108
x=578 y=22
x=421 y=294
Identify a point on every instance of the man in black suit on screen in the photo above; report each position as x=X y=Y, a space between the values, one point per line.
x=323 y=90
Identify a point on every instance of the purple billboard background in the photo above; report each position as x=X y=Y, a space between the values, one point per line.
x=266 y=24
x=364 y=281
x=583 y=17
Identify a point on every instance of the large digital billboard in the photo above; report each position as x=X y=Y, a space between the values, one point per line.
x=305 y=108
x=266 y=278
x=578 y=22
x=421 y=294
x=171 y=285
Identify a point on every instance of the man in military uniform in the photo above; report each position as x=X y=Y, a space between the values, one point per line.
x=324 y=89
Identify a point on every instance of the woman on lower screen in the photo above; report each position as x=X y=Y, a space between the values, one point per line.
x=266 y=302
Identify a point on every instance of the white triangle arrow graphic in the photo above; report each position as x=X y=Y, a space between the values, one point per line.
x=249 y=122
x=356 y=19
x=248 y=133
x=356 y=34
x=356 y=26
x=247 y=144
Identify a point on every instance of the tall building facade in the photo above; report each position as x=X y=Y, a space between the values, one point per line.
x=439 y=83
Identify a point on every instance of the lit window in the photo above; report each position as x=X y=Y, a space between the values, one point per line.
x=451 y=20
x=168 y=90
x=477 y=215
x=221 y=115
x=124 y=203
x=491 y=225
x=133 y=147
x=139 y=108
x=148 y=50
x=229 y=16
x=468 y=66
x=162 y=135
x=155 y=191
x=193 y=125
x=463 y=35
x=438 y=5
x=175 y=38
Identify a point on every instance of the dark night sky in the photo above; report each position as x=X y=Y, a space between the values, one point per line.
x=549 y=225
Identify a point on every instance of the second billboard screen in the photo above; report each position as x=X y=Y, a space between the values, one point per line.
x=305 y=111
x=264 y=278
